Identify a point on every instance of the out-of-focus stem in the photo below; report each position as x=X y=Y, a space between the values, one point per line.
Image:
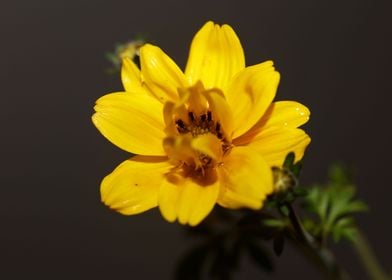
x=367 y=257
x=323 y=256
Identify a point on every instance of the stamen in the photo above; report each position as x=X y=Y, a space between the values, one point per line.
x=191 y=116
x=181 y=127
x=217 y=127
x=209 y=116
x=198 y=125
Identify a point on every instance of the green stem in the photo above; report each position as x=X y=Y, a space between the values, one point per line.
x=324 y=257
x=368 y=258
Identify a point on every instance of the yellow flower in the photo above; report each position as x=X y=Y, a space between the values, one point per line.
x=208 y=135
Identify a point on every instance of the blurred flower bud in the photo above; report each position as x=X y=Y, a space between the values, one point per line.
x=283 y=179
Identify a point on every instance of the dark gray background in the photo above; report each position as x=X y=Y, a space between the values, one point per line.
x=334 y=56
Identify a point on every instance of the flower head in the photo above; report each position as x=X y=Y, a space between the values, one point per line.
x=206 y=136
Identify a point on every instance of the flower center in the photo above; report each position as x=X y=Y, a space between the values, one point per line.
x=189 y=158
x=196 y=141
x=204 y=123
x=197 y=125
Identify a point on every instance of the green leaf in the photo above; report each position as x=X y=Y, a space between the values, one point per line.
x=357 y=206
x=284 y=210
x=334 y=204
x=274 y=223
x=296 y=168
x=344 y=228
x=289 y=160
x=311 y=226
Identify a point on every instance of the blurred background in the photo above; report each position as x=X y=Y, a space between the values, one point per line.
x=333 y=56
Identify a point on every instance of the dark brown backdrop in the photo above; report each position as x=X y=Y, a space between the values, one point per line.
x=334 y=56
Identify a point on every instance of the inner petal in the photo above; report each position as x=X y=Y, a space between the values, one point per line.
x=197 y=139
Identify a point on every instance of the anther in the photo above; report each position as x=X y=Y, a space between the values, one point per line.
x=209 y=116
x=203 y=117
x=181 y=128
x=217 y=127
x=191 y=116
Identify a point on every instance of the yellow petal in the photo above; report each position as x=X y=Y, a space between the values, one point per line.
x=133 y=186
x=197 y=103
x=215 y=56
x=289 y=114
x=160 y=73
x=179 y=150
x=275 y=144
x=250 y=94
x=133 y=122
x=280 y=114
x=246 y=179
x=130 y=74
x=209 y=145
x=187 y=201
x=221 y=111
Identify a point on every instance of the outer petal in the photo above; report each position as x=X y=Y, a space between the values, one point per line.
x=130 y=74
x=133 y=122
x=289 y=114
x=246 y=179
x=133 y=186
x=275 y=144
x=280 y=114
x=215 y=56
x=160 y=74
x=250 y=94
x=187 y=201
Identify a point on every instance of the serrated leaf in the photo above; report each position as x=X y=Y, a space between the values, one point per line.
x=357 y=206
x=344 y=227
x=322 y=206
x=274 y=223
x=344 y=222
x=348 y=233
x=334 y=204
x=342 y=203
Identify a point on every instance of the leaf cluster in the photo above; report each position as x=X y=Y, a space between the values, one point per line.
x=333 y=206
